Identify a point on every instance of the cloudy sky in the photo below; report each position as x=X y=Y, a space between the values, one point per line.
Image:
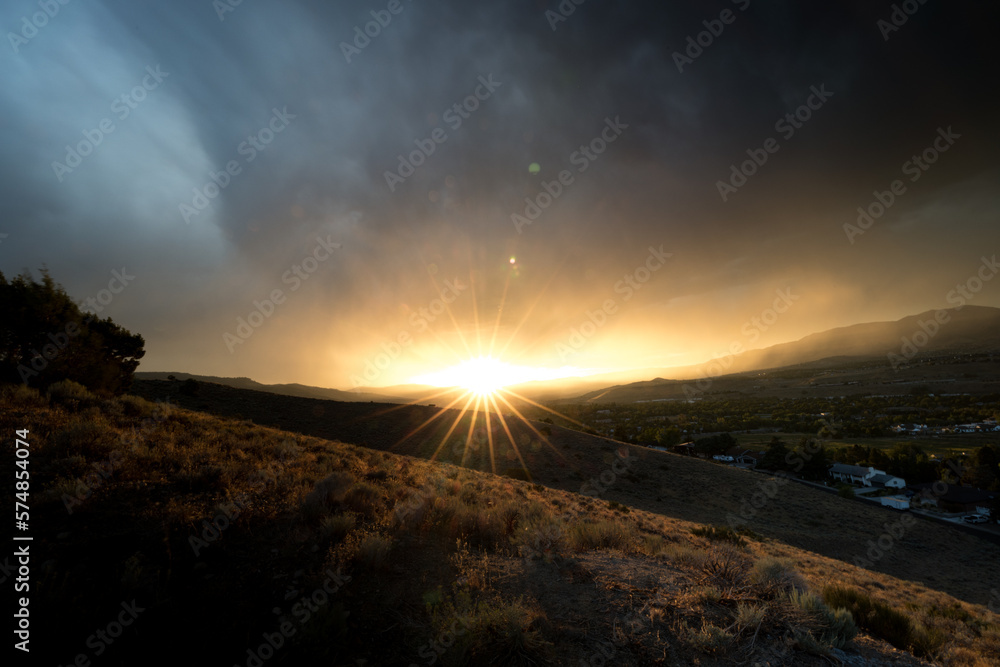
x=475 y=172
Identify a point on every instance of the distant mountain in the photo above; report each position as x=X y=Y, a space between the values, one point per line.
x=972 y=329
x=969 y=330
x=301 y=390
x=851 y=359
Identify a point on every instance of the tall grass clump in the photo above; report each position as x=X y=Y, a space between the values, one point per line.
x=719 y=534
x=884 y=622
x=821 y=626
x=583 y=536
x=71 y=394
x=773 y=576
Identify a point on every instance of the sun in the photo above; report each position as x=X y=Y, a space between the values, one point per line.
x=483 y=376
x=488 y=376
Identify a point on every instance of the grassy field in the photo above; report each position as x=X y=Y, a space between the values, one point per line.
x=954 y=445
x=229 y=535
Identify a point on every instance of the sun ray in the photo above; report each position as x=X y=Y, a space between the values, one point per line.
x=531 y=308
x=496 y=325
x=510 y=437
x=454 y=424
x=472 y=427
x=436 y=415
x=549 y=410
x=489 y=438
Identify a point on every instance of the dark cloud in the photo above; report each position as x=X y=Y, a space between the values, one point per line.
x=323 y=175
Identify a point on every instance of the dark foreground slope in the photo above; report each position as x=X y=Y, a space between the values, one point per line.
x=674 y=486
x=222 y=542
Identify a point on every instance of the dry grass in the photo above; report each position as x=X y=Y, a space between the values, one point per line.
x=519 y=565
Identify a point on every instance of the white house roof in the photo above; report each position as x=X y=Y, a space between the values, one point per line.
x=882 y=479
x=844 y=469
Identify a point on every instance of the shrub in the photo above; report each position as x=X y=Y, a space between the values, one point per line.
x=336 y=526
x=88 y=439
x=653 y=545
x=719 y=533
x=776 y=575
x=495 y=632
x=685 y=554
x=133 y=406
x=708 y=639
x=371 y=551
x=749 y=615
x=871 y=615
x=21 y=394
x=363 y=498
x=583 y=536
x=618 y=507
x=329 y=490
x=829 y=627
x=71 y=394
x=726 y=565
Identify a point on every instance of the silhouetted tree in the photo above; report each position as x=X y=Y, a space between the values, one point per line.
x=774 y=457
x=716 y=444
x=45 y=337
x=983 y=468
x=809 y=460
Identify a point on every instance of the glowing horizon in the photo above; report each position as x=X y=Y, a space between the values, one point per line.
x=485 y=375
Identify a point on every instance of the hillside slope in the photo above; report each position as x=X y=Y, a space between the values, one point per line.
x=263 y=547
x=676 y=486
x=293 y=389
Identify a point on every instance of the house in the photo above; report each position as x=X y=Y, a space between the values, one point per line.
x=888 y=481
x=854 y=474
x=686 y=448
x=954 y=498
